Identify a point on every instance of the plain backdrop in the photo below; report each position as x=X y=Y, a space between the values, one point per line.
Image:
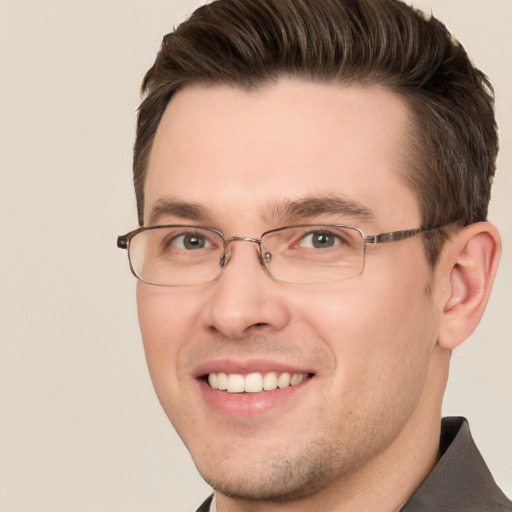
x=80 y=427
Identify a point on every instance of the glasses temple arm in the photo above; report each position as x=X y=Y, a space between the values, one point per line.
x=394 y=236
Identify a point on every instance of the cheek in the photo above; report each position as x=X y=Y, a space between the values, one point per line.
x=380 y=355
x=166 y=323
x=165 y=314
x=377 y=330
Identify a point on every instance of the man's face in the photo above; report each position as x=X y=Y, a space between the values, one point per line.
x=365 y=344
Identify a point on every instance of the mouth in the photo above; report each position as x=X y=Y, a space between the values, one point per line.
x=255 y=382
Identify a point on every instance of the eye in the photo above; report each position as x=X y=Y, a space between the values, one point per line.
x=190 y=241
x=320 y=240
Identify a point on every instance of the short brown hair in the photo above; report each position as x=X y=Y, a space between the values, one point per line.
x=248 y=43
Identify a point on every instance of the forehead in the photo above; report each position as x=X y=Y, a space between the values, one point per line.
x=226 y=149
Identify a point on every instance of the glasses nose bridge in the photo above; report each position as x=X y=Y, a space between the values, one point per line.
x=226 y=255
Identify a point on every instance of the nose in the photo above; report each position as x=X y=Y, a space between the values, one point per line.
x=245 y=298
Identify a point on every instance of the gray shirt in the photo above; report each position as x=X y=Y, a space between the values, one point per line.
x=460 y=481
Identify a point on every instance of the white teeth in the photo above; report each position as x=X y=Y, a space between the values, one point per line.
x=270 y=381
x=297 y=378
x=213 y=380
x=254 y=382
x=283 y=381
x=236 y=383
x=222 y=381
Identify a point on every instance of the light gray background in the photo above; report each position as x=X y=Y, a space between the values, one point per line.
x=80 y=427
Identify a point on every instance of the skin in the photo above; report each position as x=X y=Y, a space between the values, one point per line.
x=362 y=432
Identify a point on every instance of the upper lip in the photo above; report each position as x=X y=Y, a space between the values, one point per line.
x=245 y=367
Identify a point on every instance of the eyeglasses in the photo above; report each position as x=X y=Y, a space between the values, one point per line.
x=183 y=255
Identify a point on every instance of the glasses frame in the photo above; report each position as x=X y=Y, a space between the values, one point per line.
x=123 y=242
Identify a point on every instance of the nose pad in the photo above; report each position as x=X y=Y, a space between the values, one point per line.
x=224 y=259
x=264 y=257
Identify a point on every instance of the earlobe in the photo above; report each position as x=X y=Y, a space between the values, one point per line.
x=470 y=263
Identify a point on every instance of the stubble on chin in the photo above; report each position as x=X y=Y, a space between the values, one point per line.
x=282 y=480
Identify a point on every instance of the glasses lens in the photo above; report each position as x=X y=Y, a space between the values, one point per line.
x=314 y=254
x=176 y=255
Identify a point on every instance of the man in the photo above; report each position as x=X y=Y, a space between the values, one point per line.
x=312 y=180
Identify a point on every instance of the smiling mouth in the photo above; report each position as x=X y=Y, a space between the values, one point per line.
x=254 y=382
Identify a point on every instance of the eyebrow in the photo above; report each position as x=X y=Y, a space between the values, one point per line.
x=168 y=207
x=306 y=208
x=282 y=213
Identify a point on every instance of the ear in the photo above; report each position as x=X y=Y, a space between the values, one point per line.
x=468 y=263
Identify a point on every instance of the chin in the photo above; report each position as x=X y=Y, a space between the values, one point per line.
x=270 y=480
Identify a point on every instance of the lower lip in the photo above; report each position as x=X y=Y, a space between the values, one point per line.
x=249 y=404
